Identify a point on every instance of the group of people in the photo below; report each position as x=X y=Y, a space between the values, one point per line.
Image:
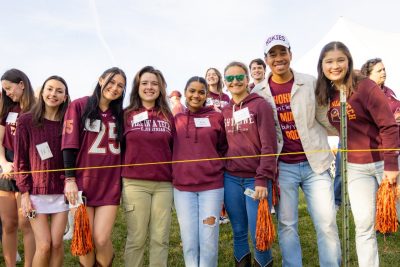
x=285 y=113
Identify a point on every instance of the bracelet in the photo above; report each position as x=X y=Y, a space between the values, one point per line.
x=69 y=179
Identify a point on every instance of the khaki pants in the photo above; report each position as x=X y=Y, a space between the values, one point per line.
x=147 y=206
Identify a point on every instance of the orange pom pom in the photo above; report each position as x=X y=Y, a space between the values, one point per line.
x=265 y=229
x=82 y=242
x=386 y=214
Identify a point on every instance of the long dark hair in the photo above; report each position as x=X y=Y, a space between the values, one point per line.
x=39 y=108
x=325 y=87
x=161 y=101
x=91 y=110
x=28 y=97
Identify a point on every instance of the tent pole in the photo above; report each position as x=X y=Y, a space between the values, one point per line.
x=345 y=195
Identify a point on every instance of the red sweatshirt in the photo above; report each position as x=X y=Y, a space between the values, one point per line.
x=149 y=140
x=191 y=142
x=253 y=136
x=370 y=124
x=27 y=157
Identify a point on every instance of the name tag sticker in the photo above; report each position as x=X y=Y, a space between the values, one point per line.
x=249 y=192
x=241 y=115
x=202 y=122
x=92 y=127
x=44 y=151
x=12 y=117
x=140 y=117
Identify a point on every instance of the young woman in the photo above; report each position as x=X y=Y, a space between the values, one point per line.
x=370 y=126
x=198 y=186
x=215 y=96
x=93 y=128
x=17 y=98
x=375 y=70
x=147 y=190
x=250 y=130
x=38 y=147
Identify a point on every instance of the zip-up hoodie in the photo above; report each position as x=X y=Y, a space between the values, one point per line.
x=251 y=137
x=192 y=143
x=148 y=141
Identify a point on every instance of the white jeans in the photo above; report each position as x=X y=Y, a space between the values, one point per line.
x=363 y=182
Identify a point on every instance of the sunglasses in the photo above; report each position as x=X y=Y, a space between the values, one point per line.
x=238 y=78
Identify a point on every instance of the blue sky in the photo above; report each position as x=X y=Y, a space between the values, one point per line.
x=79 y=39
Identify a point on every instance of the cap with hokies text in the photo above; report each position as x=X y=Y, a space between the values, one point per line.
x=276 y=39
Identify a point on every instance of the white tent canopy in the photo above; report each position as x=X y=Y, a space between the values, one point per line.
x=364 y=44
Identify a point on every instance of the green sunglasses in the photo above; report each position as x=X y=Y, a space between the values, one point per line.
x=238 y=78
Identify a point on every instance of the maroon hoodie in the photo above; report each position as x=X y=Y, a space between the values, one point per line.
x=148 y=141
x=251 y=137
x=370 y=125
x=191 y=143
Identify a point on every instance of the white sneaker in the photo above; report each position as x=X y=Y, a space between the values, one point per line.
x=68 y=235
x=223 y=220
x=18 y=257
x=272 y=210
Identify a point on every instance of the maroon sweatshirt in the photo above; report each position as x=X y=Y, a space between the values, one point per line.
x=218 y=100
x=250 y=137
x=191 y=143
x=10 y=127
x=370 y=124
x=147 y=141
x=27 y=157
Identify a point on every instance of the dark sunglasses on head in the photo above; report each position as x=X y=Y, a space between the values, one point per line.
x=238 y=78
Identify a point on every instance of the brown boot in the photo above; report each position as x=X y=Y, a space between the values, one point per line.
x=244 y=262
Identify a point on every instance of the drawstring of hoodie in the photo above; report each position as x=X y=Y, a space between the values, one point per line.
x=233 y=118
x=151 y=120
x=195 y=134
x=187 y=128
x=187 y=124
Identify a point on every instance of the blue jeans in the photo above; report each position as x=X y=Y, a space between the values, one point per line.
x=198 y=216
x=242 y=211
x=363 y=183
x=337 y=182
x=318 y=191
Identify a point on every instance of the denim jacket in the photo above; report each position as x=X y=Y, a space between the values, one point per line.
x=309 y=117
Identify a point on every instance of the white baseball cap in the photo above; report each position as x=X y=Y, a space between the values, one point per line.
x=276 y=39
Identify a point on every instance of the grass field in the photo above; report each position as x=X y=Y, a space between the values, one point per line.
x=389 y=246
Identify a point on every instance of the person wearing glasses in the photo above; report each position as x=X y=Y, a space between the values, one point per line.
x=375 y=70
x=292 y=97
x=249 y=127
